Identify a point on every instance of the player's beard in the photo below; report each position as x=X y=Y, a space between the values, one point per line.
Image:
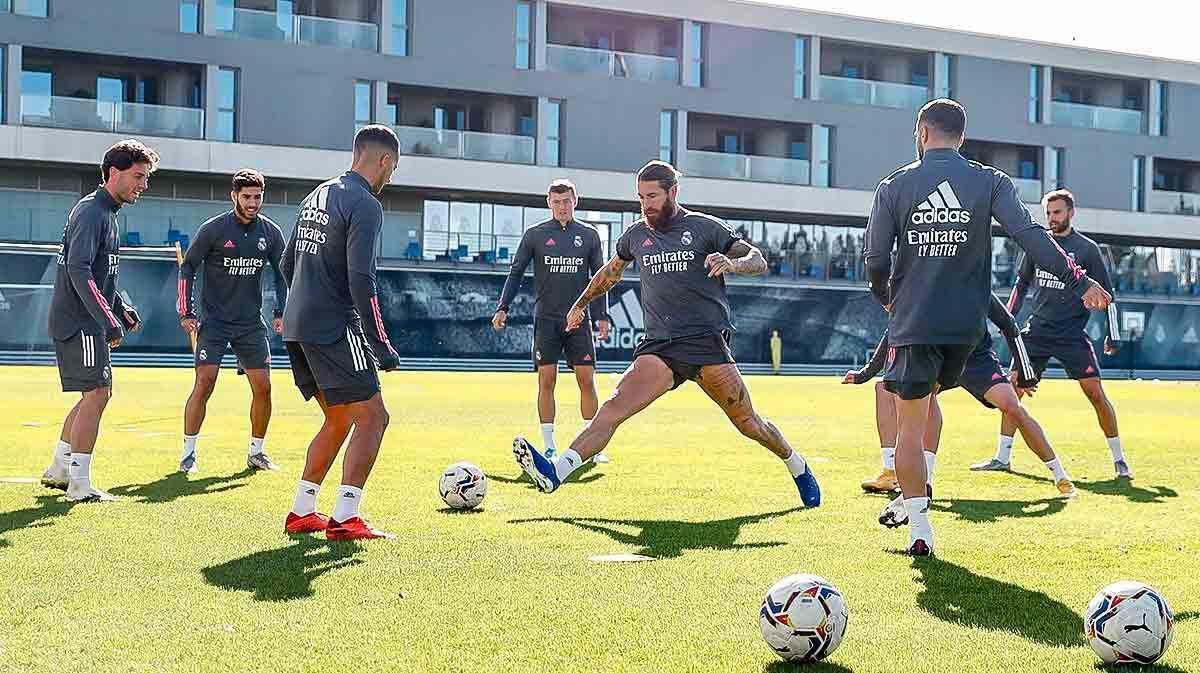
x=242 y=214
x=1061 y=227
x=659 y=219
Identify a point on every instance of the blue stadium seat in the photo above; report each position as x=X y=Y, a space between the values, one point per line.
x=413 y=251
x=183 y=241
x=489 y=256
x=502 y=256
x=460 y=252
x=133 y=238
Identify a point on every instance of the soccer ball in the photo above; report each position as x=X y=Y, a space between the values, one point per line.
x=1129 y=622
x=803 y=618
x=463 y=486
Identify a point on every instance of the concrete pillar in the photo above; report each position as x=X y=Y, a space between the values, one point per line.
x=681 y=137
x=212 y=99
x=813 y=71
x=1049 y=169
x=174 y=88
x=1047 y=93
x=540 y=35
x=689 y=68
x=1154 y=108
x=941 y=75
x=502 y=117
x=386 y=15
x=820 y=165
x=1147 y=182
x=544 y=116
x=12 y=85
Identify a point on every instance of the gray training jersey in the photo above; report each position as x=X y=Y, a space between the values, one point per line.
x=679 y=299
x=937 y=212
x=330 y=266
x=1057 y=312
x=564 y=259
x=234 y=256
x=85 y=283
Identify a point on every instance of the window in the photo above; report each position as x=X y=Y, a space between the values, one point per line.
x=666 y=136
x=1137 y=201
x=36 y=8
x=399 y=27
x=524 y=34
x=36 y=88
x=1027 y=163
x=920 y=71
x=729 y=142
x=189 y=16
x=227 y=80
x=822 y=149
x=798 y=144
x=3 y=81
x=362 y=103
x=1035 y=94
x=1158 y=115
x=695 y=71
x=800 y=58
x=553 y=129
x=1054 y=168
x=944 y=74
x=526 y=121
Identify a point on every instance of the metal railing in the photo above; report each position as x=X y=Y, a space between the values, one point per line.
x=298 y=28
x=452 y=144
x=747 y=167
x=1096 y=117
x=89 y=114
x=872 y=92
x=1173 y=203
x=646 y=67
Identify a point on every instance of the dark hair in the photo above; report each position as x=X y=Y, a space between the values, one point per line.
x=945 y=115
x=1059 y=195
x=378 y=135
x=562 y=186
x=125 y=154
x=248 y=177
x=663 y=172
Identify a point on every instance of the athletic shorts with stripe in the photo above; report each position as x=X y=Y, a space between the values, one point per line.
x=1076 y=353
x=83 y=362
x=344 y=371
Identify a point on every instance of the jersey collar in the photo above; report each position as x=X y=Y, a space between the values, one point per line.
x=104 y=198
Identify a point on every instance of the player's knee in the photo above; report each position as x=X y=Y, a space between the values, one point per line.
x=99 y=397
x=261 y=389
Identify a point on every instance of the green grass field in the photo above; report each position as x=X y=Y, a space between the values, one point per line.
x=195 y=574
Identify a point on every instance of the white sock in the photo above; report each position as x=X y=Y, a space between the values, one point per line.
x=1056 y=467
x=888 y=453
x=795 y=464
x=189 y=445
x=918 y=518
x=346 y=506
x=1114 y=445
x=256 y=445
x=62 y=455
x=930 y=460
x=548 y=436
x=81 y=469
x=1004 y=449
x=306 y=498
x=567 y=462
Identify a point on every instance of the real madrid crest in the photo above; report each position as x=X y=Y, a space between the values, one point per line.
x=686 y=239
x=262 y=244
x=578 y=241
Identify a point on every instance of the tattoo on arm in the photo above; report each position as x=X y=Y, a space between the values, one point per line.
x=747 y=259
x=602 y=282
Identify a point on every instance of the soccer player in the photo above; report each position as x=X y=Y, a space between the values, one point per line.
x=984 y=379
x=937 y=213
x=565 y=254
x=334 y=332
x=683 y=256
x=234 y=248
x=88 y=317
x=1056 y=329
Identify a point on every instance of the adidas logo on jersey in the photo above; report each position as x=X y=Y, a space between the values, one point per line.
x=941 y=207
x=229 y=244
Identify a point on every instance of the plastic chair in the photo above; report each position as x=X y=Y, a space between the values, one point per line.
x=413 y=251
x=133 y=238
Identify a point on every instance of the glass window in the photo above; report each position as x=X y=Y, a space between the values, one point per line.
x=36 y=87
x=821 y=168
x=1137 y=202
x=553 y=123
x=800 y=59
x=224 y=16
x=362 y=103
x=37 y=8
x=666 y=136
x=1035 y=94
x=1158 y=116
x=3 y=81
x=695 y=73
x=464 y=226
x=399 y=27
x=189 y=16
x=535 y=216
x=227 y=104
x=944 y=71
x=1027 y=162
x=524 y=34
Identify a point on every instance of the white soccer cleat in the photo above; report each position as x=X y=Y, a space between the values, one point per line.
x=601 y=459
x=894 y=514
x=56 y=478
x=188 y=464
x=88 y=494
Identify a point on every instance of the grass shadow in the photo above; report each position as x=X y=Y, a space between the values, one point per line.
x=809 y=667
x=663 y=539
x=459 y=512
x=176 y=485
x=1124 y=668
x=47 y=507
x=286 y=573
x=583 y=475
x=954 y=594
x=1114 y=486
x=989 y=511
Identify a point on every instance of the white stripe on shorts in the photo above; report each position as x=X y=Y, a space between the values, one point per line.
x=360 y=362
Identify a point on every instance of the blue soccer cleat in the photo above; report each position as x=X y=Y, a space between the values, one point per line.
x=810 y=491
x=539 y=469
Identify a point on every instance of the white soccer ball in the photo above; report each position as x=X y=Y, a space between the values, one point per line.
x=1129 y=622
x=803 y=618
x=463 y=486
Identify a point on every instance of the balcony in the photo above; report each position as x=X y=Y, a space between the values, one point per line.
x=746 y=167
x=1173 y=203
x=296 y=28
x=1099 y=117
x=1029 y=190
x=89 y=114
x=873 y=92
x=452 y=144
x=587 y=60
